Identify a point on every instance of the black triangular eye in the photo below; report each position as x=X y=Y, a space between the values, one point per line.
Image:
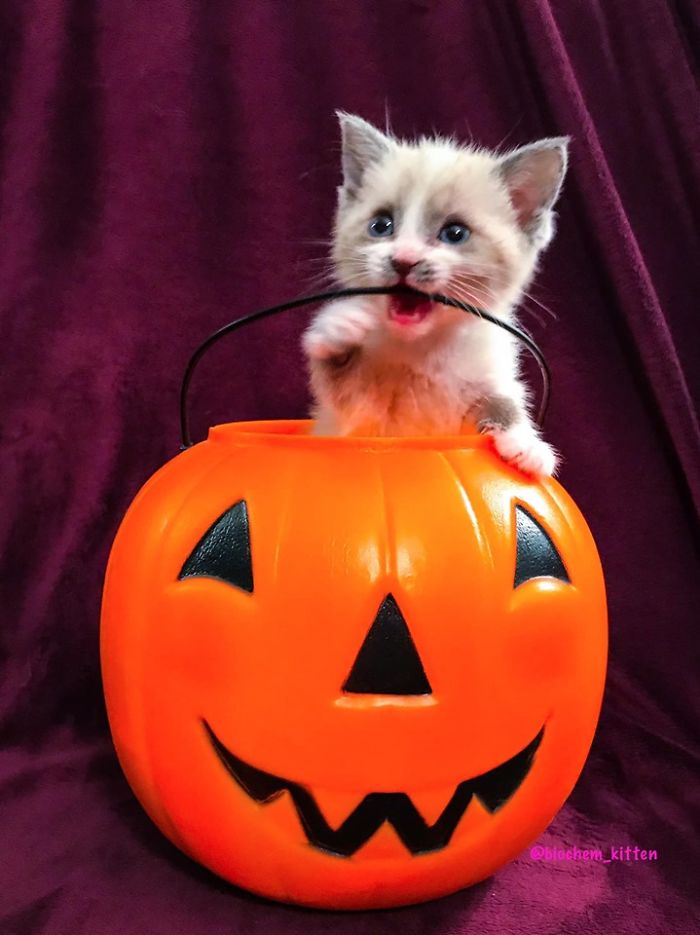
x=223 y=552
x=536 y=556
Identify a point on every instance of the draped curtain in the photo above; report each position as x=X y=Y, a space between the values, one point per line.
x=166 y=166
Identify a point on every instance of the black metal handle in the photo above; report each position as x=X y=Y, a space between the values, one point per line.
x=341 y=294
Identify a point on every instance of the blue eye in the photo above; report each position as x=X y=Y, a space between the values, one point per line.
x=381 y=225
x=454 y=233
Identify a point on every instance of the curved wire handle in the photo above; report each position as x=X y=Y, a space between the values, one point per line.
x=341 y=294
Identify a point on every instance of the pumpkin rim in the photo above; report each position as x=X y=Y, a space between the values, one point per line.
x=295 y=433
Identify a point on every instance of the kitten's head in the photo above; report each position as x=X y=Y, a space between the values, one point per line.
x=442 y=218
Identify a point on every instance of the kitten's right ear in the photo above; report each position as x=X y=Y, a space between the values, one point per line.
x=363 y=144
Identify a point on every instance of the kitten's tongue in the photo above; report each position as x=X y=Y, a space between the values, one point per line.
x=408 y=308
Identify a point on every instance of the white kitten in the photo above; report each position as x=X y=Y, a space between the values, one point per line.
x=446 y=219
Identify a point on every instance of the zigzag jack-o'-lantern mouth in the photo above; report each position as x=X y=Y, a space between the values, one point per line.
x=493 y=789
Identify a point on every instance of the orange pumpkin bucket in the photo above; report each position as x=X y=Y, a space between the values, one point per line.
x=351 y=672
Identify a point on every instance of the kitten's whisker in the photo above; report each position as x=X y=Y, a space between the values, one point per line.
x=514 y=127
x=308 y=260
x=473 y=263
x=487 y=295
x=494 y=272
x=474 y=287
x=476 y=284
x=545 y=308
x=473 y=278
x=486 y=264
x=348 y=264
x=473 y=284
x=318 y=168
x=529 y=311
x=471 y=296
x=469 y=274
x=491 y=276
x=469 y=131
x=314 y=270
x=465 y=279
x=476 y=296
x=468 y=294
x=319 y=282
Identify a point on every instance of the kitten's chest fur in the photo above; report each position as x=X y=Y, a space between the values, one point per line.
x=425 y=389
x=404 y=399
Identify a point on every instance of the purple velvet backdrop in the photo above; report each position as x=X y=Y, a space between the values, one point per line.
x=166 y=166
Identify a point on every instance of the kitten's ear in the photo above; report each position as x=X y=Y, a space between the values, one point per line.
x=363 y=144
x=533 y=176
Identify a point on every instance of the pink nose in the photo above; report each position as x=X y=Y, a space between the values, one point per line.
x=402 y=266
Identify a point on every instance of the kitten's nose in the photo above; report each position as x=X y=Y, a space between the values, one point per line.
x=403 y=267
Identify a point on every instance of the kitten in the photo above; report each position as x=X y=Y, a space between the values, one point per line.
x=441 y=218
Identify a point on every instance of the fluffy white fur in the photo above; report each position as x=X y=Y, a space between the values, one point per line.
x=449 y=372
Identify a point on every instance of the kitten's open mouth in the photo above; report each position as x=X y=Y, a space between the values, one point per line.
x=409 y=308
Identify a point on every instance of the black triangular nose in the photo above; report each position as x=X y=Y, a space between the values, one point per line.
x=388 y=662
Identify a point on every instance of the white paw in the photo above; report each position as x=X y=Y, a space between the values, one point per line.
x=338 y=329
x=521 y=447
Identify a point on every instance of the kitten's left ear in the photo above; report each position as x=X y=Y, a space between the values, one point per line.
x=533 y=176
x=363 y=144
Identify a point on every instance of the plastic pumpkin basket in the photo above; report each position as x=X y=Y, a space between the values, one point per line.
x=351 y=672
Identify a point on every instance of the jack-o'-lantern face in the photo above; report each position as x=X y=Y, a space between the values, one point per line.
x=347 y=674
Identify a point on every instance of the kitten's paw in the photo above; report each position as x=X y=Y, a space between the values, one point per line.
x=337 y=330
x=521 y=447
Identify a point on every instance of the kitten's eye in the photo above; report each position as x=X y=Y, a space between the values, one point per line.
x=381 y=225
x=454 y=233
